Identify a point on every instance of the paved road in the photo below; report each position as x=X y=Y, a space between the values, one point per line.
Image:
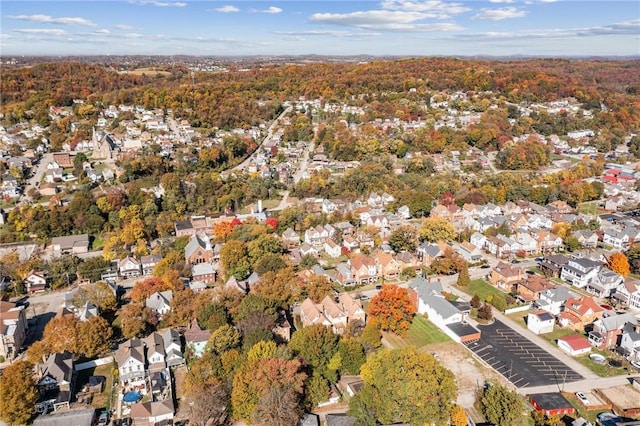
x=247 y=161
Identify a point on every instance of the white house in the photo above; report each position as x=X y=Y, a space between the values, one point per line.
x=332 y=249
x=540 y=322
x=160 y=302
x=130 y=358
x=578 y=272
x=574 y=345
x=628 y=293
x=630 y=342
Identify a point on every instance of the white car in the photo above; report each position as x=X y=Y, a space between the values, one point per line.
x=582 y=398
x=635 y=364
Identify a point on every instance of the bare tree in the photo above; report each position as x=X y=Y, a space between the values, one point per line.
x=208 y=406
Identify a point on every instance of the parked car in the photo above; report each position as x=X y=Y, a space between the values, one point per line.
x=378 y=287
x=635 y=364
x=582 y=398
x=103 y=420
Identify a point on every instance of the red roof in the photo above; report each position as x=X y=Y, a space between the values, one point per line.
x=576 y=342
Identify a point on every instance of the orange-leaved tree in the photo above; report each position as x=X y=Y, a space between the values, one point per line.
x=392 y=309
x=619 y=263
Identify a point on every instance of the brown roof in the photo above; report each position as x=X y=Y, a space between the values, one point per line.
x=148 y=409
x=331 y=308
x=507 y=270
x=537 y=284
x=196 y=334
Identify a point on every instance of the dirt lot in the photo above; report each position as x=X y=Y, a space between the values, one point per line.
x=469 y=372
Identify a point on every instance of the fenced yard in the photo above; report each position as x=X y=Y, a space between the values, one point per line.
x=421 y=333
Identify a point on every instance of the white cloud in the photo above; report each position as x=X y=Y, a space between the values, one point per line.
x=620 y=28
x=499 y=14
x=46 y=19
x=227 y=9
x=123 y=27
x=331 y=33
x=4 y=36
x=394 y=20
x=102 y=32
x=133 y=35
x=41 y=31
x=441 y=8
x=157 y=3
x=273 y=10
x=502 y=1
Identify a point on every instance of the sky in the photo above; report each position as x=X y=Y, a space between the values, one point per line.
x=380 y=28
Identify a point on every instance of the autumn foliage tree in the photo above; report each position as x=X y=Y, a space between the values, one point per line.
x=18 y=394
x=392 y=309
x=619 y=263
x=146 y=287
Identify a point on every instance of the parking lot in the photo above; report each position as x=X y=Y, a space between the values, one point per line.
x=522 y=362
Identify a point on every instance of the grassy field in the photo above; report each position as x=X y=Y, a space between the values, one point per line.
x=422 y=332
x=102 y=400
x=602 y=370
x=482 y=289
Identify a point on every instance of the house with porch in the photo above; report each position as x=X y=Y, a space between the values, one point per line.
x=579 y=272
x=607 y=330
x=131 y=361
x=553 y=300
x=364 y=269
x=532 y=286
x=628 y=293
x=13 y=327
x=469 y=252
x=55 y=382
x=630 y=342
x=160 y=302
x=580 y=312
x=129 y=267
x=35 y=281
x=388 y=266
x=505 y=276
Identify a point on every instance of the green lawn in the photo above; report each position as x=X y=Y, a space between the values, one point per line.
x=422 y=332
x=602 y=370
x=482 y=289
x=103 y=399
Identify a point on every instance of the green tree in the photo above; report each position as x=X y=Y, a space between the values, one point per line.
x=18 y=394
x=435 y=229
x=93 y=268
x=212 y=315
x=502 y=406
x=316 y=344
x=224 y=338
x=404 y=385
x=463 y=276
x=404 y=238
x=352 y=355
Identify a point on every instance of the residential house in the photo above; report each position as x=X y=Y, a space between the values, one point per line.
x=547 y=241
x=580 y=312
x=290 y=239
x=574 y=345
x=13 y=324
x=344 y=274
x=155 y=357
x=469 y=252
x=131 y=361
x=160 y=302
x=282 y=329
x=204 y=272
x=55 y=382
x=552 y=265
x=618 y=238
x=505 y=276
x=532 y=286
x=388 y=266
x=315 y=237
x=35 y=281
x=427 y=252
x=306 y=249
x=153 y=412
x=365 y=240
x=409 y=261
x=345 y=228
x=196 y=338
x=149 y=262
x=364 y=269
x=172 y=347
x=500 y=246
x=478 y=240
x=335 y=313
x=586 y=238
x=540 y=322
x=71 y=244
x=628 y=293
x=578 y=272
x=129 y=267
x=198 y=250
x=630 y=343
x=604 y=283
x=553 y=300
x=607 y=330
x=332 y=249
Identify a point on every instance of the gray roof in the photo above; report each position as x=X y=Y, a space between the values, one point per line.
x=615 y=322
x=194 y=244
x=159 y=298
x=75 y=418
x=202 y=269
x=339 y=420
x=60 y=367
x=425 y=288
x=441 y=306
